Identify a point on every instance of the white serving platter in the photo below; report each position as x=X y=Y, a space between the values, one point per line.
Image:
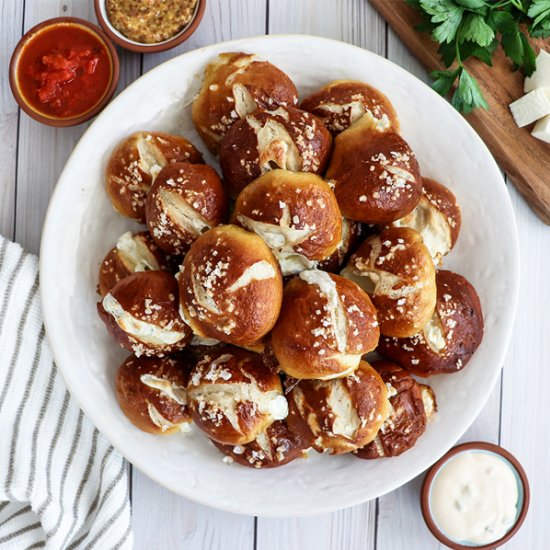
x=81 y=226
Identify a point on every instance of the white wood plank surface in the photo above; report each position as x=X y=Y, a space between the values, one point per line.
x=32 y=157
x=161 y=519
x=526 y=389
x=9 y=115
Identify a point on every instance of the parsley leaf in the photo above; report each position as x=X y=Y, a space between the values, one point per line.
x=539 y=10
x=528 y=62
x=467 y=95
x=444 y=80
x=446 y=15
x=447 y=52
x=513 y=46
x=485 y=54
x=472 y=4
x=502 y=21
x=475 y=28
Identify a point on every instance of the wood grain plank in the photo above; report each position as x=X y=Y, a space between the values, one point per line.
x=223 y=20
x=352 y=21
x=161 y=519
x=399 y=516
x=176 y=521
x=526 y=382
x=11 y=13
x=525 y=159
x=349 y=529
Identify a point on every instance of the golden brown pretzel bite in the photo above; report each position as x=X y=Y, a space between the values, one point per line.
x=234 y=85
x=448 y=340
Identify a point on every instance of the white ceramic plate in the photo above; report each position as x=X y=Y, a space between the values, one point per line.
x=81 y=226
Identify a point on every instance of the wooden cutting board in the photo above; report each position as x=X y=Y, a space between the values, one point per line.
x=525 y=159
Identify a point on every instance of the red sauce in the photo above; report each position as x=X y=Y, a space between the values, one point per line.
x=64 y=71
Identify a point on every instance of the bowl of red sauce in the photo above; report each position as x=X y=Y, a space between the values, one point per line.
x=64 y=71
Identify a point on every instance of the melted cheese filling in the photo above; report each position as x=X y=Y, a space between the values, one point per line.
x=432 y=226
x=172 y=391
x=181 y=213
x=258 y=271
x=151 y=160
x=433 y=333
x=226 y=397
x=244 y=103
x=336 y=310
x=275 y=145
x=282 y=239
x=355 y=110
x=346 y=420
x=145 y=332
x=135 y=254
x=163 y=423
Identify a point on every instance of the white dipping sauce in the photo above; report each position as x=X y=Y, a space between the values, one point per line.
x=474 y=498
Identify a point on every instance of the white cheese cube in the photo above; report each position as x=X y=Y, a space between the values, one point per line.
x=541 y=77
x=542 y=129
x=531 y=107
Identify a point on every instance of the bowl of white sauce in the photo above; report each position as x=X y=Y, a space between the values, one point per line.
x=476 y=496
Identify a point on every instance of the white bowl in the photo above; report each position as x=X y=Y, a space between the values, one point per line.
x=81 y=226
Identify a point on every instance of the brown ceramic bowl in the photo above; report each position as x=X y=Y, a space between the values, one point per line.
x=48 y=119
x=126 y=43
x=430 y=476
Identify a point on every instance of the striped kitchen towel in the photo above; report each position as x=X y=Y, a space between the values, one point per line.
x=62 y=485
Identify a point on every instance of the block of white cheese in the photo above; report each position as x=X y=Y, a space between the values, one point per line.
x=542 y=129
x=531 y=107
x=541 y=77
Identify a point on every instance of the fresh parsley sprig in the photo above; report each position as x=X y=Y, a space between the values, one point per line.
x=475 y=28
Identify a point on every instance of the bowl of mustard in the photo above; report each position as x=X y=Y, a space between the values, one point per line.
x=151 y=26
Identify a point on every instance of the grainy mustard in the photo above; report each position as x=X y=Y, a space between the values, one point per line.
x=150 y=21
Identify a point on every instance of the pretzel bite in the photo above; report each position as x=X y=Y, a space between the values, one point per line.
x=295 y=213
x=233 y=397
x=341 y=103
x=407 y=419
x=185 y=201
x=133 y=252
x=376 y=174
x=339 y=415
x=285 y=138
x=326 y=324
x=152 y=393
x=135 y=163
x=436 y=217
x=277 y=446
x=234 y=85
x=350 y=237
x=141 y=314
x=230 y=286
x=395 y=268
x=448 y=340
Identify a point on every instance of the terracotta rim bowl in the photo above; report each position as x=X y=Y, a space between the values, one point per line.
x=78 y=119
x=433 y=471
x=117 y=37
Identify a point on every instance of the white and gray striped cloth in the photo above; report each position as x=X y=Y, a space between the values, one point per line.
x=62 y=485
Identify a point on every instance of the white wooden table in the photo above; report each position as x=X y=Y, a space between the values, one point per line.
x=518 y=413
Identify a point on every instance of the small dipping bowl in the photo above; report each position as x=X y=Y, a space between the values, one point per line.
x=63 y=71
x=123 y=41
x=522 y=504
